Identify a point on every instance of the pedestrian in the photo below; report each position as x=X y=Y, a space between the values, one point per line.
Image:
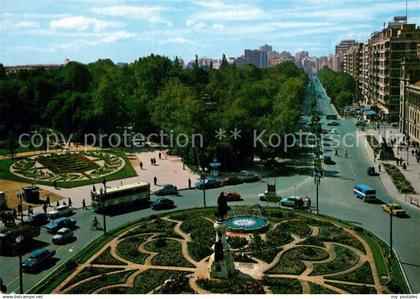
x=48 y=202
x=58 y=203
x=44 y=207
x=14 y=213
x=154 y=161
x=141 y=165
x=20 y=209
x=160 y=156
x=336 y=152
x=94 y=188
x=155 y=180
x=84 y=204
x=64 y=203
x=412 y=152
x=189 y=183
x=70 y=202
x=30 y=211
x=151 y=161
x=379 y=167
x=346 y=155
x=404 y=166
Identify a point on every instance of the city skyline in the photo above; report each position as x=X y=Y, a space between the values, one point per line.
x=123 y=31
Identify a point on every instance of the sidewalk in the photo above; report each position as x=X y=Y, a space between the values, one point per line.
x=412 y=173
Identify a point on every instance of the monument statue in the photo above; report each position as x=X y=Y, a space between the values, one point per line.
x=222 y=207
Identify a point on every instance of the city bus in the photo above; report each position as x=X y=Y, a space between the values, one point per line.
x=117 y=199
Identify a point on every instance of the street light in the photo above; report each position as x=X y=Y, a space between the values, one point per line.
x=203 y=180
x=103 y=209
x=19 y=241
x=317 y=182
x=408 y=149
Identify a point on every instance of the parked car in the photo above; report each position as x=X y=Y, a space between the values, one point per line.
x=397 y=210
x=60 y=211
x=54 y=226
x=38 y=258
x=163 y=204
x=328 y=160
x=233 y=196
x=64 y=235
x=232 y=180
x=167 y=190
x=333 y=123
x=335 y=131
x=208 y=183
x=295 y=202
x=271 y=197
x=246 y=177
x=331 y=116
x=38 y=219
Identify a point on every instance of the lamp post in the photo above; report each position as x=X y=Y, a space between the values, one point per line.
x=19 y=241
x=317 y=181
x=390 y=230
x=103 y=210
x=203 y=180
x=408 y=149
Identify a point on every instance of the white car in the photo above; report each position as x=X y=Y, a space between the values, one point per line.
x=63 y=236
x=335 y=131
x=60 y=211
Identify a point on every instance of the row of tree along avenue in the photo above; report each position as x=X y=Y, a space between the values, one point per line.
x=155 y=94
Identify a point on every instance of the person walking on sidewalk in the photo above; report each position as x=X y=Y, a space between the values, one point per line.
x=84 y=204
x=346 y=155
x=155 y=180
x=189 y=183
x=141 y=165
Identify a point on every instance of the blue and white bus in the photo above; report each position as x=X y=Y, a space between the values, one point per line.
x=364 y=192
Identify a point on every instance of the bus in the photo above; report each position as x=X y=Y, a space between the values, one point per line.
x=116 y=199
x=364 y=192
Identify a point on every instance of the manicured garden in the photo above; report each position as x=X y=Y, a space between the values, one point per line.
x=399 y=179
x=107 y=274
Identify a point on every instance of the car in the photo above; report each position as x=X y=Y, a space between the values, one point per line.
x=37 y=259
x=38 y=219
x=167 y=190
x=64 y=235
x=331 y=116
x=231 y=180
x=333 y=123
x=335 y=131
x=328 y=160
x=232 y=196
x=246 y=177
x=397 y=210
x=60 y=211
x=163 y=204
x=371 y=171
x=54 y=226
x=394 y=125
x=208 y=183
x=295 y=202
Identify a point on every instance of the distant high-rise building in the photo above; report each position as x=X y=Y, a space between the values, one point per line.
x=345 y=45
x=266 y=48
x=257 y=58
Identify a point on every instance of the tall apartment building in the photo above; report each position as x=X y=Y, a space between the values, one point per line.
x=266 y=48
x=410 y=99
x=352 y=64
x=382 y=56
x=257 y=58
x=345 y=45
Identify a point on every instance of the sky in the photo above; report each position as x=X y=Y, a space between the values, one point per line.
x=49 y=31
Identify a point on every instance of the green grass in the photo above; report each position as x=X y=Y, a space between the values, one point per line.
x=354 y=289
x=106 y=258
x=89 y=272
x=339 y=235
x=198 y=251
x=345 y=258
x=362 y=274
x=126 y=172
x=170 y=253
x=105 y=280
x=283 y=285
x=319 y=289
x=232 y=286
x=128 y=249
x=399 y=179
x=266 y=255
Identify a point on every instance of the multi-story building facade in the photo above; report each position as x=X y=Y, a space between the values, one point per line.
x=382 y=59
x=257 y=58
x=410 y=99
x=352 y=65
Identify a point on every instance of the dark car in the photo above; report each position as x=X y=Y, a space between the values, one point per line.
x=163 y=204
x=333 y=123
x=248 y=177
x=208 y=183
x=54 y=226
x=371 y=171
x=38 y=219
x=167 y=190
x=232 y=196
x=232 y=180
x=37 y=259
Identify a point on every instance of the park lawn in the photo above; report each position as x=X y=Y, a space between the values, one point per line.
x=283 y=285
x=232 y=286
x=90 y=272
x=106 y=258
x=362 y=274
x=354 y=289
x=128 y=249
x=319 y=289
x=170 y=253
x=126 y=172
x=345 y=258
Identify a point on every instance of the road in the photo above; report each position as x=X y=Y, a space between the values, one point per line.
x=335 y=199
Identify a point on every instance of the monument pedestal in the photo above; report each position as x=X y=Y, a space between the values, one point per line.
x=221 y=264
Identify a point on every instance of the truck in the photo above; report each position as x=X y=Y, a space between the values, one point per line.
x=8 y=236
